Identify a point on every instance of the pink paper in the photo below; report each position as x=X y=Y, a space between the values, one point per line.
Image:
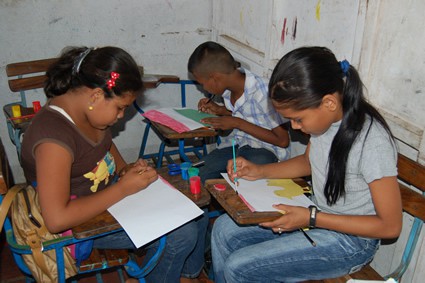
x=166 y=120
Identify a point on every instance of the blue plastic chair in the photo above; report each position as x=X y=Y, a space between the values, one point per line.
x=132 y=267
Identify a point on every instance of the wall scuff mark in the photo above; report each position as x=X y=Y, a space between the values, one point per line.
x=54 y=21
x=294 y=29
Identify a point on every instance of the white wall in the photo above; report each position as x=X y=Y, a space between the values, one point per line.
x=159 y=34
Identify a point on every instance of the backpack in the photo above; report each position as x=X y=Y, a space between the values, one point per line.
x=29 y=229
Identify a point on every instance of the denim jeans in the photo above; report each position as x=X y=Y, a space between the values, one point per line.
x=183 y=254
x=216 y=160
x=255 y=254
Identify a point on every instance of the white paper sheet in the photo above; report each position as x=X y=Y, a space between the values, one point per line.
x=153 y=212
x=262 y=196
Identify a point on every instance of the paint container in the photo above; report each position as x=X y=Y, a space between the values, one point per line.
x=185 y=170
x=16 y=110
x=193 y=172
x=195 y=185
x=220 y=187
x=36 y=106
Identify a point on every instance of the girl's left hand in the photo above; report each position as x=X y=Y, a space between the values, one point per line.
x=293 y=218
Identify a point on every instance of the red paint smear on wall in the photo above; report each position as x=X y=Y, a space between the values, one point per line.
x=282 y=36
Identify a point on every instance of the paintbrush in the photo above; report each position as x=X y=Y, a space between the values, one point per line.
x=211 y=98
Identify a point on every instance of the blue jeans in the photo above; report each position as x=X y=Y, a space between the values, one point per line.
x=183 y=254
x=255 y=254
x=216 y=160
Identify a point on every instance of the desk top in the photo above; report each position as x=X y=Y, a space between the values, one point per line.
x=236 y=208
x=105 y=222
x=171 y=134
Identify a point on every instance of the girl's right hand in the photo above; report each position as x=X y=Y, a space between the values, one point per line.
x=244 y=169
x=135 y=179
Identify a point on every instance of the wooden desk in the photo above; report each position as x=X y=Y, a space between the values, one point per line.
x=236 y=208
x=169 y=133
x=105 y=222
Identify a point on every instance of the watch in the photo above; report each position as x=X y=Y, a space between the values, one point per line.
x=313 y=214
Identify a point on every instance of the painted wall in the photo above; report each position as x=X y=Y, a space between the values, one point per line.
x=159 y=34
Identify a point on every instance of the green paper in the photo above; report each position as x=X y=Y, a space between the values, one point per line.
x=195 y=115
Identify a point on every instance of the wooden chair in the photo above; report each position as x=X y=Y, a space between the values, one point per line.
x=177 y=143
x=411 y=175
x=23 y=76
x=98 y=261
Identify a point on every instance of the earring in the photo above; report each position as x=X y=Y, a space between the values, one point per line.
x=90 y=108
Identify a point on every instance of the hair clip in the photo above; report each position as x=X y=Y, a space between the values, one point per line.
x=345 y=66
x=79 y=61
x=111 y=82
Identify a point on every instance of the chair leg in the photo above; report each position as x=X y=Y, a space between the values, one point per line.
x=408 y=251
x=144 y=140
x=99 y=278
x=160 y=155
x=134 y=270
x=121 y=275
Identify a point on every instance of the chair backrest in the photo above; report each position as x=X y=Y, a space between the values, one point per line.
x=27 y=75
x=412 y=173
x=23 y=76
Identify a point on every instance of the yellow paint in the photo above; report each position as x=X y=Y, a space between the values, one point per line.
x=318 y=10
x=290 y=188
x=16 y=110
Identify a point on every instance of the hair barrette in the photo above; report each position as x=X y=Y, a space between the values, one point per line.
x=345 y=66
x=79 y=61
x=111 y=82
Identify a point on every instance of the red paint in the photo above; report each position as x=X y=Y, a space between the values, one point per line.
x=282 y=36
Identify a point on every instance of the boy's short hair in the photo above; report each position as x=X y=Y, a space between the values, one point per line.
x=211 y=57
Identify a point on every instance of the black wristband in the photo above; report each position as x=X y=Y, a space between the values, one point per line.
x=313 y=214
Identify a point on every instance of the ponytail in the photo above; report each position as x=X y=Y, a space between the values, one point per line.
x=301 y=79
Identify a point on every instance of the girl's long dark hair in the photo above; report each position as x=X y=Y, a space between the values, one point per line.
x=81 y=66
x=301 y=79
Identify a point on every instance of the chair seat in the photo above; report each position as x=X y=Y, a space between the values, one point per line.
x=104 y=258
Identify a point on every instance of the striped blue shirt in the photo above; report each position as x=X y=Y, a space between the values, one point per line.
x=255 y=107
